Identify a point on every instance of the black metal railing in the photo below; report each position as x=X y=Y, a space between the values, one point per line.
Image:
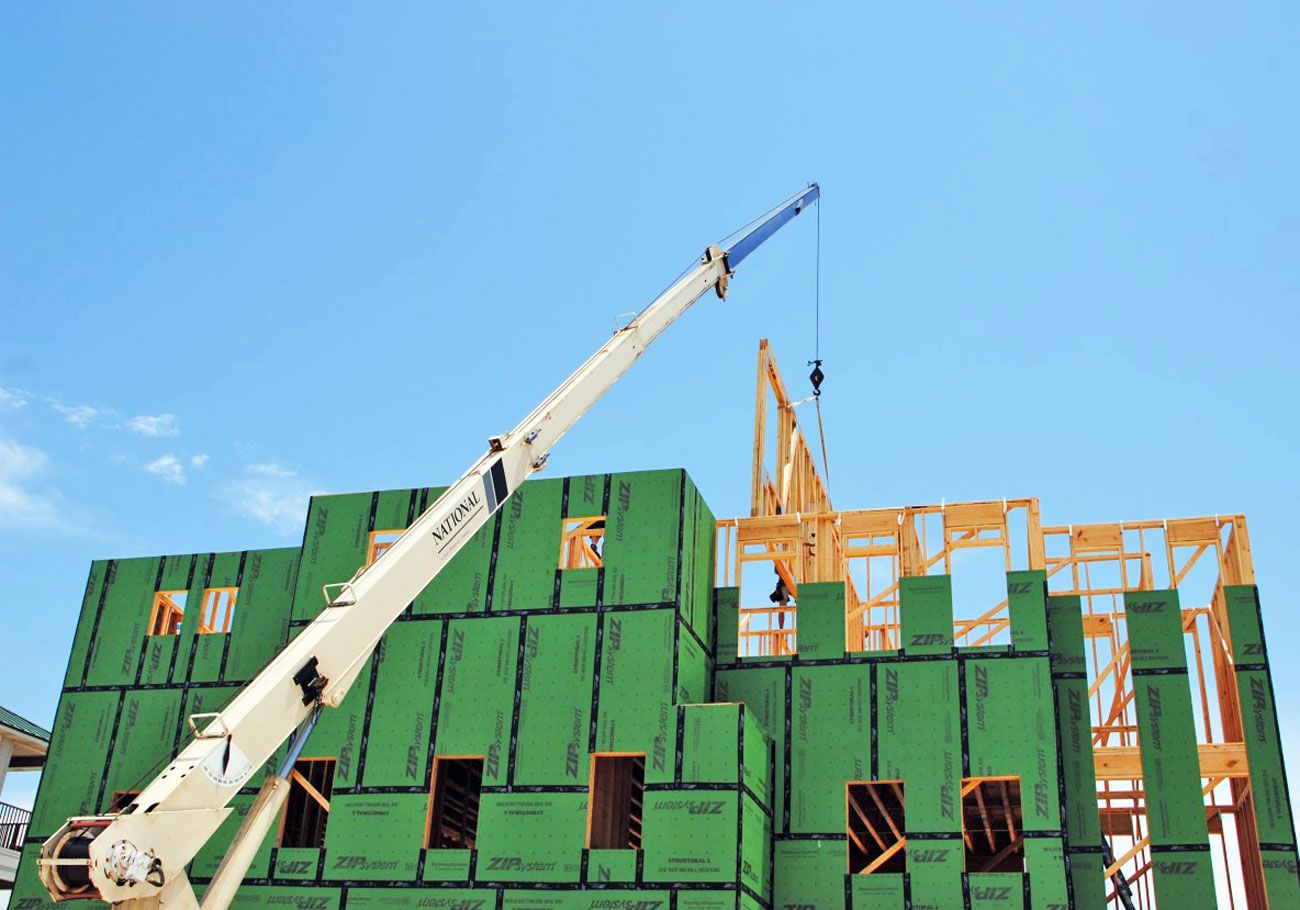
x=13 y=826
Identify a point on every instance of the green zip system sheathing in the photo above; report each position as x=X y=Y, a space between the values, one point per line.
x=1082 y=829
x=1271 y=801
x=1180 y=844
x=536 y=669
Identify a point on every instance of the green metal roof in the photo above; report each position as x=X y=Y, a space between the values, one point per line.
x=22 y=725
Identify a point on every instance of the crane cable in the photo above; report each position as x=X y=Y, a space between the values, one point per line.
x=816 y=377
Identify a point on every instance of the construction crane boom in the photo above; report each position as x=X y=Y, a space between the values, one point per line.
x=137 y=857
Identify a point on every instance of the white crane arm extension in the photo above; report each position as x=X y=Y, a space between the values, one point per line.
x=139 y=855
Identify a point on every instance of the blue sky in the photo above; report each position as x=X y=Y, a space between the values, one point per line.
x=251 y=251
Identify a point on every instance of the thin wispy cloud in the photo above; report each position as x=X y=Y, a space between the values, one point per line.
x=154 y=425
x=11 y=399
x=198 y=461
x=21 y=505
x=168 y=469
x=270 y=494
x=79 y=415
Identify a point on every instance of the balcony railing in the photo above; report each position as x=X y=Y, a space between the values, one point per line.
x=13 y=826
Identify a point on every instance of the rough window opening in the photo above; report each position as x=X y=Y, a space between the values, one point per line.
x=876 y=825
x=380 y=543
x=307 y=809
x=582 y=543
x=453 y=813
x=992 y=824
x=615 y=802
x=121 y=799
x=218 y=610
x=168 y=611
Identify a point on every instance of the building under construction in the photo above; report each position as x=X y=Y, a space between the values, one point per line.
x=614 y=699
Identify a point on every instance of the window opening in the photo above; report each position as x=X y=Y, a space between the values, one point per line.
x=121 y=799
x=453 y=812
x=582 y=543
x=380 y=543
x=876 y=826
x=307 y=809
x=615 y=803
x=168 y=611
x=992 y=824
x=218 y=610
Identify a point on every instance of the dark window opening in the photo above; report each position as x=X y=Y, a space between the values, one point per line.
x=307 y=810
x=992 y=824
x=453 y=813
x=122 y=799
x=876 y=828
x=615 y=801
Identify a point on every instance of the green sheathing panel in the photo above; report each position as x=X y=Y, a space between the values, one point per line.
x=925 y=603
x=1264 y=754
x=820 y=615
x=1078 y=767
x=691 y=836
x=699 y=567
x=375 y=836
x=1027 y=609
x=447 y=865
x=339 y=733
x=880 y=891
x=440 y=899
x=692 y=669
x=1045 y=865
x=298 y=863
x=696 y=900
x=611 y=865
x=403 y=704
x=74 y=767
x=99 y=572
x=528 y=553
x=762 y=692
x=1182 y=879
x=123 y=617
x=462 y=585
x=831 y=744
x=642 y=537
x=478 y=692
x=726 y=624
x=756 y=760
x=935 y=870
x=571 y=900
x=165 y=656
x=1281 y=881
x=200 y=656
x=285 y=897
x=585 y=499
x=555 y=705
x=1074 y=725
x=1011 y=730
x=212 y=852
x=996 y=890
x=1167 y=738
x=146 y=736
x=711 y=743
x=636 y=712
x=1268 y=782
x=531 y=837
x=755 y=847
x=28 y=892
x=334 y=547
x=261 y=611
x=918 y=731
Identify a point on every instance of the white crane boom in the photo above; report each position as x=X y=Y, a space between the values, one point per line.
x=137 y=857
